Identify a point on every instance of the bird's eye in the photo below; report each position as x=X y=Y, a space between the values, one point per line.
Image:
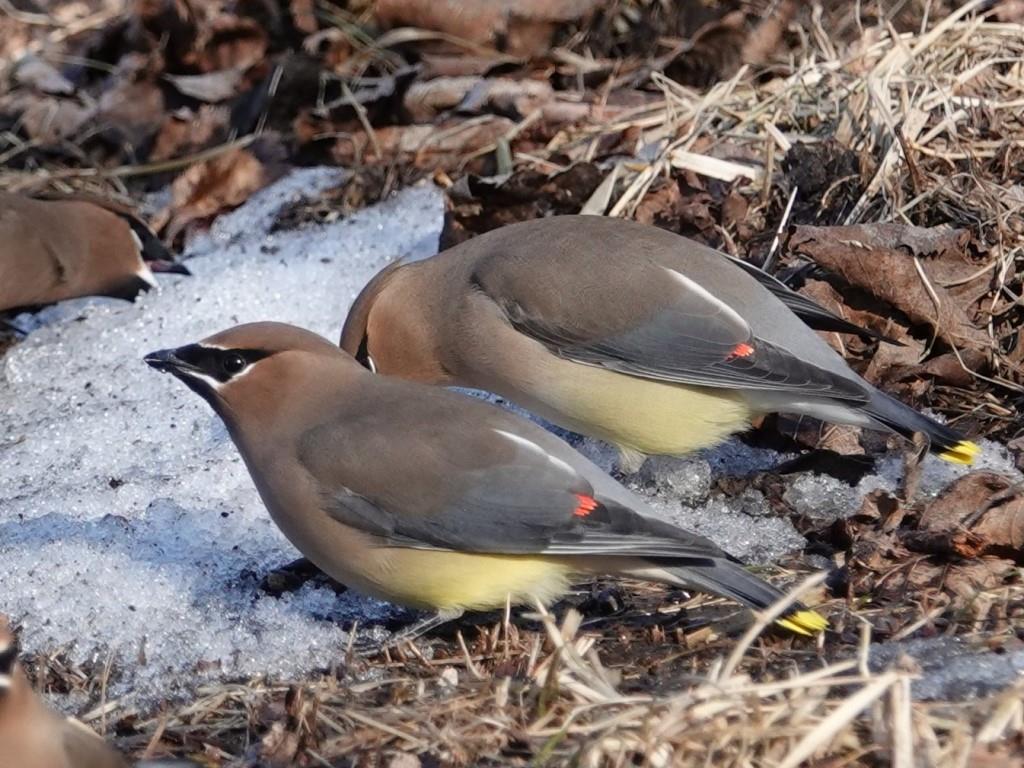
x=233 y=363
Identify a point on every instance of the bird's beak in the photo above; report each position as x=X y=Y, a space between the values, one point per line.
x=167 y=361
x=181 y=363
x=168 y=267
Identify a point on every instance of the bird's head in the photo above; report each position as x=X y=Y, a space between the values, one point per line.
x=257 y=370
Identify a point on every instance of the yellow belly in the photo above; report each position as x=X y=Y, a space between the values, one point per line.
x=647 y=416
x=458 y=581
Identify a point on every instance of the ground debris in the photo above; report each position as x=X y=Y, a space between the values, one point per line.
x=873 y=258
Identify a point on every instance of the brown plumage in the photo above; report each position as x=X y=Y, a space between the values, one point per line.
x=62 y=248
x=34 y=736
x=429 y=498
x=628 y=333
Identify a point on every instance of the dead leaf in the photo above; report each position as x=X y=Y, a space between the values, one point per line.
x=526 y=26
x=767 y=35
x=447 y=65
x=962 y=544
x=1005 y=753
x=661 y=206
x=33 y=72
x=968 y=579
x=211 y=187
x=133 y=110
x=211 y=87
x=48 y=119
x=948 y=368
x=185 y=131
x=712 y=53
x=230 y=42
x=423 y=145
x=988 y=506
x=1009 y=11
x=828 y=175
x=470 y=94
x=480 y=204
x=891 y=362
x=303 y=15
x=169 y=24
x=734 y=211
x=879 y=258
x=132 y=105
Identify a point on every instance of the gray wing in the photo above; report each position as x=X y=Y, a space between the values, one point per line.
x=654 y=323
x=437 y=470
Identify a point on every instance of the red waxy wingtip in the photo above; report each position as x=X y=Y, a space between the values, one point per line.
x=587 y=505
x=741 y=350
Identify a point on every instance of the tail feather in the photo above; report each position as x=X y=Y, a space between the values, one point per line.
x=731 y=580
x=904 y=420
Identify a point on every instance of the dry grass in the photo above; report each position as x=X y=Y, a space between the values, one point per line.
x=547 y=697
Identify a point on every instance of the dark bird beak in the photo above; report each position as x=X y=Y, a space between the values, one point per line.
x=166 y=361
x=168 y=267
x=184 y=364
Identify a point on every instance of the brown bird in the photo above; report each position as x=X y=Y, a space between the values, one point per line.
x=429 y=498
x=62 y=248
x=34 y=736
x=629 y=333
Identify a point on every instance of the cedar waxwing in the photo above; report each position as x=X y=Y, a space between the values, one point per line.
x=429 y=498
x=629 y=333
x=34 y=736
x=61 y=248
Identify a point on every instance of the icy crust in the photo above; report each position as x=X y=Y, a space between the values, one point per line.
x=128 y=523
x=824 y=499
x=949 y=668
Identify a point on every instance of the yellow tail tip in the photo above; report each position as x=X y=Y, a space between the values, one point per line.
x=964 y=452
x=808 y=623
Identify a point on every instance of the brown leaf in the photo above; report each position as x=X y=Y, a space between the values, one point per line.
x=878 y=258
x=1004 y=753
x=767 y=35
x=447 y=65
x=1011 y=11
x=185 y=131
x=734 y=210
x=48 y=119
x=963 y=544
x=988 y=506
x=828 y=297
x=423 y=145
x=210 y=87
x=526 y=26
x=947 y=367
x=230 y=42
x=303 y=15
x=279 y=746
x=424 y=100
x=33 y=72
x=171 y=24
x=882 y=507
x=966 y=580
x=134 y=110
x=891 y=362
x=661 y=205
x=211 y=187
x=713 y=52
